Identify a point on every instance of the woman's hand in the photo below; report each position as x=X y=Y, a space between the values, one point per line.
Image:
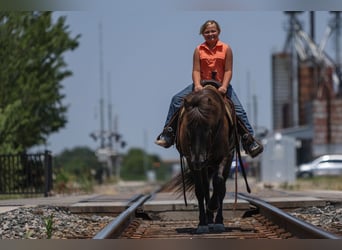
x=198 y=87
x=222 y=90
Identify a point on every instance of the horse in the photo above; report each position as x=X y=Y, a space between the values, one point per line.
x=206 y=138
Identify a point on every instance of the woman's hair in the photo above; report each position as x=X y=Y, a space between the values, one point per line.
x=209 y=22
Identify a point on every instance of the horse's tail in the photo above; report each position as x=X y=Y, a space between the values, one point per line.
x=182 y=183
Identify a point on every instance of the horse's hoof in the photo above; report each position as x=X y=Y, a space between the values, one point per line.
x=219 y=228
x=211 y=226
x=202 y=230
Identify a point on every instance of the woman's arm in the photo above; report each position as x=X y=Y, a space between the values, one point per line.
x=196 y=71
x=228 y=71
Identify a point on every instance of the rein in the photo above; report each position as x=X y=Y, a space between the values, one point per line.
x=238 y=157
x=240 y=160
x=182 y=170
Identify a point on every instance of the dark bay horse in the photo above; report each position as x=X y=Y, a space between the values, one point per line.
x=206 y=139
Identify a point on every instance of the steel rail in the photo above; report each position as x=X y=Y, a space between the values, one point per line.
x=115 y=227
x=290 y=223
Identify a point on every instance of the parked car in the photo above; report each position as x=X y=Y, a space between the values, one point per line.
x=323 y=165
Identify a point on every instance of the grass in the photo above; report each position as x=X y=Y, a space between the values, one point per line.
x=48 y=221
x=316 y=183
x=19 y=196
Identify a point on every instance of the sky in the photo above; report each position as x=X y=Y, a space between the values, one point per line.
x=145 y=57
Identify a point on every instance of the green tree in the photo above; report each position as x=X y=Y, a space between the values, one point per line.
x=137 y=161
x=32 y=68
x=78 y=165
x=77 y=161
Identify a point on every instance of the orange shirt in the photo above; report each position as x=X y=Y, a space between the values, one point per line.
x=212 y=60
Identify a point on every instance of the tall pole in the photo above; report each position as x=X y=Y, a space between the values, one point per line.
x=110 y=119
x=338 y=38
x=312 y=25
x=255 y=109
x=294 y=75
x=110 y=132
x=293 y=26
x=117 y=141
x=102 y=136
x=248 y=94
x=145 y=153
x=338 y=49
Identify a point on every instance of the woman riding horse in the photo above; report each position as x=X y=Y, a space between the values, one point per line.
x=206 y=139
x=212 y=60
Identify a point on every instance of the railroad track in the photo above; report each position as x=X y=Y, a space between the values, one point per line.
x=260 y=221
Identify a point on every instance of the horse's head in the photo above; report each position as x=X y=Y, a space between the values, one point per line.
x=201 y=124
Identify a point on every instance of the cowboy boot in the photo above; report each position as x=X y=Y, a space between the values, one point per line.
x=251 y=146
x=167 y=138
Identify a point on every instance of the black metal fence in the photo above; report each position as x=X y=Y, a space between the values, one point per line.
x=26 y=174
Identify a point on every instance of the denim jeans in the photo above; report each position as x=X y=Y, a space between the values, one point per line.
x=177 y=101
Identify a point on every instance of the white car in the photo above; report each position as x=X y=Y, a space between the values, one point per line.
x=323 y=165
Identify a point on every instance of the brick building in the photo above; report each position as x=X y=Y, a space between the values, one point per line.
x=310 y=110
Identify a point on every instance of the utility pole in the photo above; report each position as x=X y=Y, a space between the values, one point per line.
x=110 y=131
x=248 y=94
x=255 y=111
x=145 y=153
x=110 y=119
x=337 y=24
x=312 y=25
x=107 y=152
x=102 y=138
x=103 y=152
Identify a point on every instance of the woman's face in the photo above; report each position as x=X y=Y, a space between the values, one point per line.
x=211 y=34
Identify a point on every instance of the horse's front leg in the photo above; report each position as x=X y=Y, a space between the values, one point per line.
x=202 y=195
x=219 y=185
x=218 y=181
x=206 y=187
x=222 y=166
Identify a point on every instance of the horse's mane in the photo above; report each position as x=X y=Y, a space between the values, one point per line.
x=204 y=105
